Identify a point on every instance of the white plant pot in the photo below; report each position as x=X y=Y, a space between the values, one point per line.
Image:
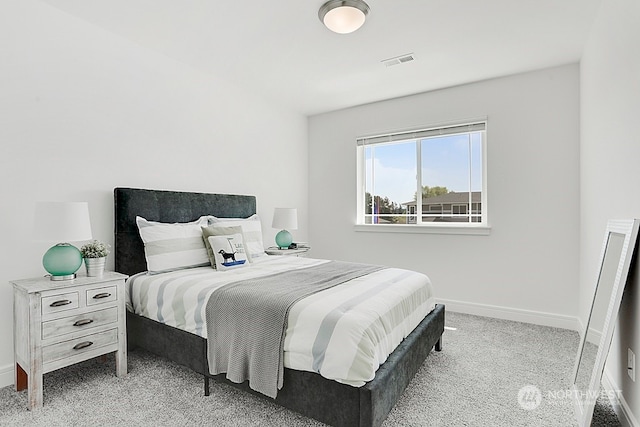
x=95 y=266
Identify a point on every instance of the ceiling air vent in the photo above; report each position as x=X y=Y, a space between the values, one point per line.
x=399 y=60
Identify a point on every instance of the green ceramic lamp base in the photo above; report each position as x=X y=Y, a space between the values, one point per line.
x=284 y=239
x=62 y=261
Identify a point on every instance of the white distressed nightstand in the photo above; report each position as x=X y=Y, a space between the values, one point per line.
x=57 y=324
x=287 y=252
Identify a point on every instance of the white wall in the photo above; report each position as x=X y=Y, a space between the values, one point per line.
x=610 y=175
x=83 y=111
x=527 y=268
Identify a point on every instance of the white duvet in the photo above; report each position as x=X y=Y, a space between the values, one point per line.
x=343 y=333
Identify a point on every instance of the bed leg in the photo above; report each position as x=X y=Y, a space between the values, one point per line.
x=438 y=346
x=207 y=392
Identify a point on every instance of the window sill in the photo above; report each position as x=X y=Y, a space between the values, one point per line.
x=473 y=230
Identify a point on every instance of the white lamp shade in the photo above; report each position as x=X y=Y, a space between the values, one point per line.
x=285 y=219
x=62 y=221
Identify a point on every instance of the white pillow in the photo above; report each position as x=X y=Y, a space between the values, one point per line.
x=228 y=251
x=251 y=230
x=169 y=247
x=216 y=231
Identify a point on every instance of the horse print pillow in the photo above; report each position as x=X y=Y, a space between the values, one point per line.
x=228 y=251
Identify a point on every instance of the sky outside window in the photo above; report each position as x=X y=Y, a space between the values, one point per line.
x=391 y=168
x=446 y=161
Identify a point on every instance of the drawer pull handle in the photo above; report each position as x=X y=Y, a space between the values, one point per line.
x=60 y=303
x=83 y=322
x=82 y=345
x=102 y=295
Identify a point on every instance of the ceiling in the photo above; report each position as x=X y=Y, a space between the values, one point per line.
x=281 y=51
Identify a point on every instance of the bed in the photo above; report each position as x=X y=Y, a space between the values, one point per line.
x=309 y=393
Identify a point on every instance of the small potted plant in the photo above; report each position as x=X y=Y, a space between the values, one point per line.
x=95 y=254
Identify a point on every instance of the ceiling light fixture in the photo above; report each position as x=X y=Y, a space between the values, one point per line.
x=343 y=16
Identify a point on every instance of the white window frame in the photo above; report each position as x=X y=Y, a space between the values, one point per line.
x=475 y=228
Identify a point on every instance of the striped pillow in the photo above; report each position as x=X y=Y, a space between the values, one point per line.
x=251 y=231
x=169 y=247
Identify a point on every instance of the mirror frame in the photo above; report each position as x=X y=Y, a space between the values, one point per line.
x=584 y=400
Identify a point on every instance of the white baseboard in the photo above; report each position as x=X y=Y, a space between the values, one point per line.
x=515 y=314
x=6 y=375
x=618 y=402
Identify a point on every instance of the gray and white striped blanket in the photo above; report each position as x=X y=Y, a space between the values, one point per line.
x=247 y=320
x=344 y=333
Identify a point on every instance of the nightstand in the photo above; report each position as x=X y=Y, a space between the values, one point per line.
x=287 y=252
x=57 y=324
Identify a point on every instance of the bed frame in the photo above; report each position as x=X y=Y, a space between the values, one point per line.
x=305 y=392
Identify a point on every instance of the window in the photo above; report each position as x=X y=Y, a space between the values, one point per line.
x=428 y=177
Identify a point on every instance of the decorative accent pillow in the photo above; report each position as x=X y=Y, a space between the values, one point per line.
x=217 y=231
x=228 y=251
x=169 y=247
x=251 y=230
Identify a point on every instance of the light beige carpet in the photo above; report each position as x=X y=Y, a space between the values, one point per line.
x=474 y=381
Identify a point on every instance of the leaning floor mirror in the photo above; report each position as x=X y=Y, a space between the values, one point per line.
x=615 y=260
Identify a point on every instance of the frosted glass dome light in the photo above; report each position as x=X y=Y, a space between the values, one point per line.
x=343 y=16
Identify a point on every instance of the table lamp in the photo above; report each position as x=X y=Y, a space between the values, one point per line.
x=62 y=222
x=285 y=218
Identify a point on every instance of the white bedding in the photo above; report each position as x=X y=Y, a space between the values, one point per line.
x=344 y=333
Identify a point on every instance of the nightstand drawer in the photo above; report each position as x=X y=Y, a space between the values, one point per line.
x=101 y=295
x=80 y=345
x=60 y=302
x=54 y=328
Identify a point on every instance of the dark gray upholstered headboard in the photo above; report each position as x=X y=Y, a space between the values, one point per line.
x=165 y=206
